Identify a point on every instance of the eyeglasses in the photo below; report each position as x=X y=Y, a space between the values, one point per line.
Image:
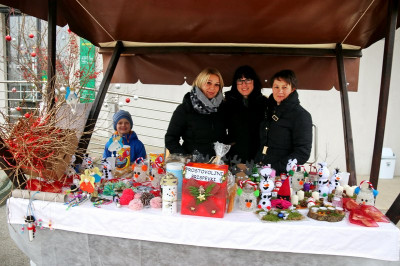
x=241 y=81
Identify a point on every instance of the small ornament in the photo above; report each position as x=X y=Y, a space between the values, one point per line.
x=14 y=89
x=30 y=220
x=366 y=195
x=169 y=184
x=69 y=30
x=27 y=115
x=135 y=97
x=8 y=38
x=31 y=35
x=120 y=104
x=62 y=89
x=51 y=225
x=18 y=108
x=127 y=100
x=33 y=54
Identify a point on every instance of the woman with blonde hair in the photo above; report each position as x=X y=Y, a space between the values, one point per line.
x=199 y=119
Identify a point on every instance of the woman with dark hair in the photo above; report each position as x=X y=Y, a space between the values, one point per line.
x=198 y=120
x=286 y=132
x=244 y=111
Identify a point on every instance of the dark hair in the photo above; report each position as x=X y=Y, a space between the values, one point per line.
x=249 y=73
x=287 y=75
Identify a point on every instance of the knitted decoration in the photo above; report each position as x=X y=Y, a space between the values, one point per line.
x=146 y=197
x=284 y=191
x=156 y=203
x=127 y=196
x=135 y=205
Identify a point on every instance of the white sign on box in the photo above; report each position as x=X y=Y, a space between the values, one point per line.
x=204 y=174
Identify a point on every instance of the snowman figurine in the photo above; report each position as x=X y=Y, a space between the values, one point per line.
x=334 y=182
x=323 y=181
x=366 y=195
x=267 y=183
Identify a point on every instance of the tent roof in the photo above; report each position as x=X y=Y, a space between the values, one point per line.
x=356 y=24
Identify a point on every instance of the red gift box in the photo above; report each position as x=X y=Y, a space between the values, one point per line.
x=204 y=190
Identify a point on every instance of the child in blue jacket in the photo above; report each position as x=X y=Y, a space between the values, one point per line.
x=124 y=136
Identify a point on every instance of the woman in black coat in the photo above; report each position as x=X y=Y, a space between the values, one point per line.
x=286 y=133
x=244 y=109
x=199 y=119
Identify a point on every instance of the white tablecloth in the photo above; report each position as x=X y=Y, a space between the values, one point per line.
x=237 y=230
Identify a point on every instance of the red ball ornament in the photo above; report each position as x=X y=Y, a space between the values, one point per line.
x=31 y=35
x=8 y=38
x=127 y=100
x=69 y=30
x=18 y=108
x=27 y=115
x=14 y=89
x=33 y=54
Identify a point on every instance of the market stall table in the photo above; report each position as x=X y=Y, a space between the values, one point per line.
x=119 y=235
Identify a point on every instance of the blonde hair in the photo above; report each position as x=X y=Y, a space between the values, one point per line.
x=205 y=74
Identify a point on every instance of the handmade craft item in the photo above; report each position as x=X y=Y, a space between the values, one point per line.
x=267 y=183
x=335 y=180
x=204 y=190
x=291 y=167
x=280 y=215
x=87 y=182
x=169 y=185
x=329 y=214
x=323 y=181
x=107 y=169
x=337 y=198
x=155 y=177
x=284 y=191
x=300 y=194
x=71 y=98
x=30 y=225
x=241 y=172
x=366 y=195
x=127 y=196
x=176 y=168
x=140 y=169
x=248 y=194
x=298 y=179
x=87 y=163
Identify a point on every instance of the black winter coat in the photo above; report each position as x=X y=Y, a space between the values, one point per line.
x=287 y=132
x=243 y=123
x=198 y=131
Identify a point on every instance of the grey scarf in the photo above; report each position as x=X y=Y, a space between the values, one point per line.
x=202 y=104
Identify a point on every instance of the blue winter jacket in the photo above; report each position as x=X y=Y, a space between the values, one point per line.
x=137 y=147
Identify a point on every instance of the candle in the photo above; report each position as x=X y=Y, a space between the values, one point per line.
x=349 y=191
x=295 y=200
x=300 y=194
x=315 y=195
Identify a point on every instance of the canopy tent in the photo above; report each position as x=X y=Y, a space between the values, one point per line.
x=168 y=42
x=223 y=34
